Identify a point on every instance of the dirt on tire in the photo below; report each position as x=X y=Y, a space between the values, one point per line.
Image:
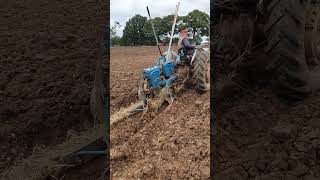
x=201 y=72
x=285 y=48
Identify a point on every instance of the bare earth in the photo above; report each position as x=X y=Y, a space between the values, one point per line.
x=48 y=54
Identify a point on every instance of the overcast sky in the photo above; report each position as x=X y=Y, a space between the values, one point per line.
x=123 y=10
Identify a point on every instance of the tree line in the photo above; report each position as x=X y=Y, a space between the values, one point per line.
x=138 y=29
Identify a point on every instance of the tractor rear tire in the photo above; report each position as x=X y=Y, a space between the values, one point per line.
x=201 y=71
x=285 y=47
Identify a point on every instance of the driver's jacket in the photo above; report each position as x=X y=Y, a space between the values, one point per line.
x=184 y=42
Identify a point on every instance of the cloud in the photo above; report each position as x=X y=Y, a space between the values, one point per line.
x=123 y=10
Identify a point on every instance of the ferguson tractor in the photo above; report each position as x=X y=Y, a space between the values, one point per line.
x=171 y=73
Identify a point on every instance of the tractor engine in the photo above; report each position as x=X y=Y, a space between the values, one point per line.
x=155 y=78
x=159 y=75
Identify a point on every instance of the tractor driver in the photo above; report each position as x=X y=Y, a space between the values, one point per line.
x=183 y=41
x=184 y=45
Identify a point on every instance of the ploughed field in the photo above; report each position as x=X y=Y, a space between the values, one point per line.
x=49 y=52
x=172 y=142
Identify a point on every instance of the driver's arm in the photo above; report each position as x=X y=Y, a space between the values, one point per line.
x=186 y=43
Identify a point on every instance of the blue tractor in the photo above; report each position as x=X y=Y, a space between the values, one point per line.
x=172 y=72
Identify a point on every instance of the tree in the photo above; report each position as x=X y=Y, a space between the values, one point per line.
x=116 y=40
x=165 y=25
x=199 y=22
x=149 y=37
x=133 y=32
x=113 y=29
x=113 y=34
x=138 y=29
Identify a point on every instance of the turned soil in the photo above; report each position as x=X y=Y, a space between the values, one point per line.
x=49 y=52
